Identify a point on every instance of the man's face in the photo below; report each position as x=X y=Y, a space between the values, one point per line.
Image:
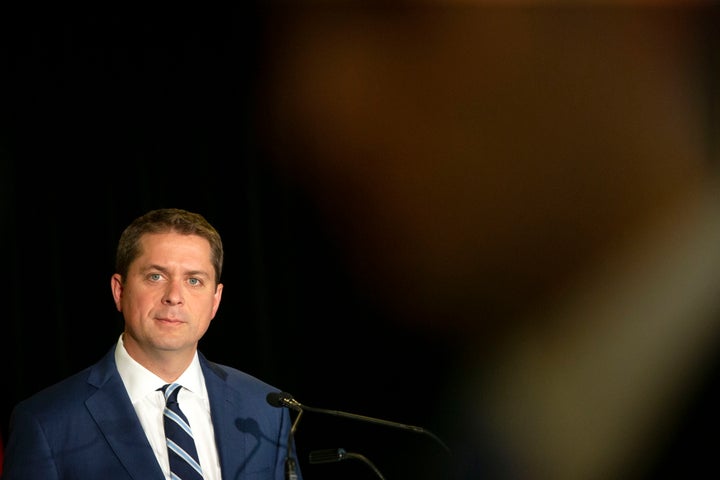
x=169 y=297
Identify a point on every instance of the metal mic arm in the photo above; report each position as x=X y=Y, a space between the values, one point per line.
x=363 y=418
x=387 y=423
x=295 y=423
x=284 y=399
x=338 y=454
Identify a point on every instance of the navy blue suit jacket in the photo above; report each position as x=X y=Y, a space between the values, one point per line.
x=85 y=427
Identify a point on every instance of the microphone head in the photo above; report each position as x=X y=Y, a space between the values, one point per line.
x=273 y=398
x=328 y=455
x=282 y=399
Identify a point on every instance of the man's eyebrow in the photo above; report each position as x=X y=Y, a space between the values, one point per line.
x=197 y=273
x=154 y=267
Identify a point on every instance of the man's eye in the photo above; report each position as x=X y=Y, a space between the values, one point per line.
x=154 y=277
x=194 y=281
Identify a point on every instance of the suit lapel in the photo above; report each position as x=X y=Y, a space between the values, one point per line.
x=225 y=404
x=111 y=408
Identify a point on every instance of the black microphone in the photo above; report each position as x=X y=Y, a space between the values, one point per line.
x=278 y=399
x=284 y=399
x=338 y=454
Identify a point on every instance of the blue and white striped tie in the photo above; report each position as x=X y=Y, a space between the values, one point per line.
x=184 y=463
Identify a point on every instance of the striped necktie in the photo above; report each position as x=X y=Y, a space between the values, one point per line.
x=184 y=463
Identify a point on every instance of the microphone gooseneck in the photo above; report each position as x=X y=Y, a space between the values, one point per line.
x=338 y=454
x=284 y=399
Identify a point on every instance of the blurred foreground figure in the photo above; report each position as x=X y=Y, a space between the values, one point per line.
x=540 y=186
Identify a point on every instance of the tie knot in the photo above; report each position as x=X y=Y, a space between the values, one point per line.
x=171 y=391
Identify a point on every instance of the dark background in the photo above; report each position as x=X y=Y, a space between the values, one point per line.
x=109 y=112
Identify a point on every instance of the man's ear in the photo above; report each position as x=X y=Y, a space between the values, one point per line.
x=116 y=285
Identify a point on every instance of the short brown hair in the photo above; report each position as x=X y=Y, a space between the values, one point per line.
x=165 y=220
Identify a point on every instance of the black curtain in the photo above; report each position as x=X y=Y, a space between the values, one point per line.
x=109 y=113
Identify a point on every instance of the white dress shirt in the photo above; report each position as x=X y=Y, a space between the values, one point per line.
x=149 y=403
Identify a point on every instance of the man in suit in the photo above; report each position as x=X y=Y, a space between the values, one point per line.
x=106 y=422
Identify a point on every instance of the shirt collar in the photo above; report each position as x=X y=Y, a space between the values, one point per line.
x=141 y=382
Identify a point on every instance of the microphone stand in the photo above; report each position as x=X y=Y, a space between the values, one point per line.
x=290 y=465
